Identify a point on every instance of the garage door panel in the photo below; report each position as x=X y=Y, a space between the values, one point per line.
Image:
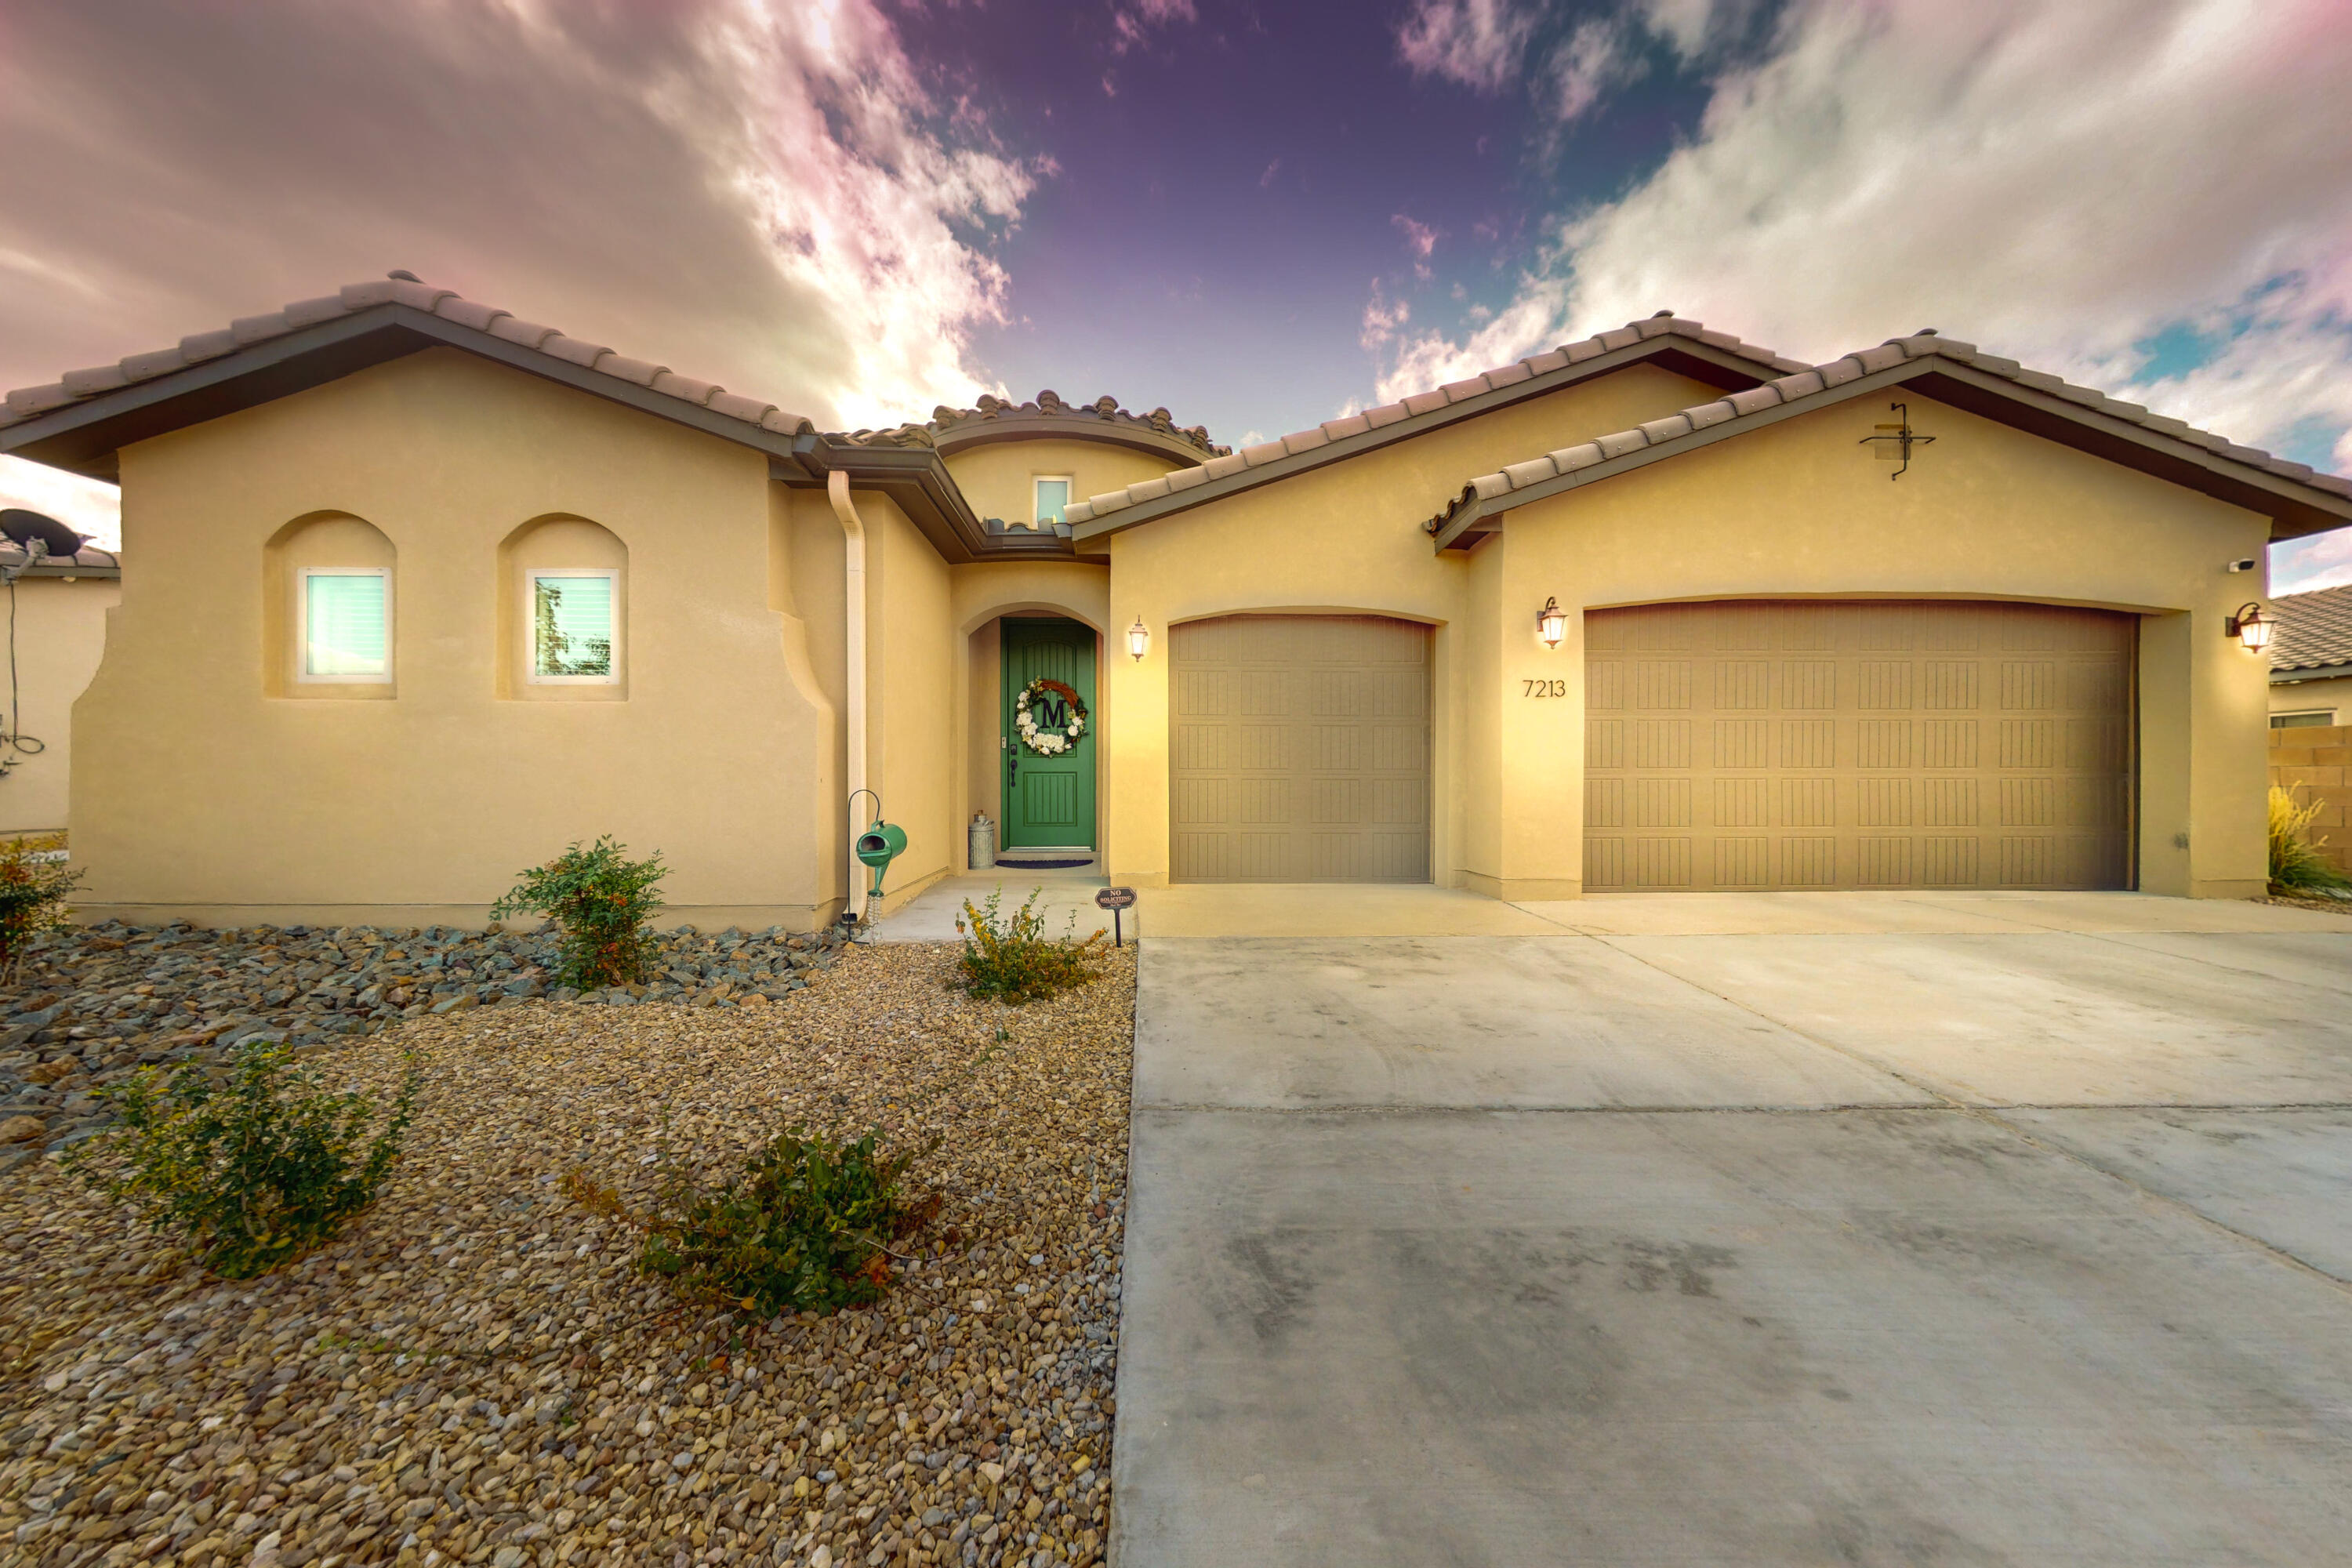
x=1300 y=750
x=1892 y=744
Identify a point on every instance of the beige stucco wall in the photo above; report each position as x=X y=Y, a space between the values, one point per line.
x=1796 y=508
x=998 y=478
x=1345 y=537
x=199 y=793
x=60 y=631
x=2304 y=696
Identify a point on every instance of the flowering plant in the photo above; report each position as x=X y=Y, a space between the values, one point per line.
x=1052 y=739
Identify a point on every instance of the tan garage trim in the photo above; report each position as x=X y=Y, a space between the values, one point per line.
x=1767 y=744
x=1298 y=750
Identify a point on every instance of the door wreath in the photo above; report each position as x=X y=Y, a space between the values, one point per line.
x=1053 y=738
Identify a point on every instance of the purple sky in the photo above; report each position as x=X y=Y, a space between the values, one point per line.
x=1258 y=215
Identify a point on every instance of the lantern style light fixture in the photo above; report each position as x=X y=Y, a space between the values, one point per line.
x=1139 y=639
x=1551 y=622
x=2250 y=626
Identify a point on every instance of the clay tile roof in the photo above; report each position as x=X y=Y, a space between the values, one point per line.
x=946 y=421
x=26 y=402
x=2315 y=630
x=1437 y=398
x=1816 y=380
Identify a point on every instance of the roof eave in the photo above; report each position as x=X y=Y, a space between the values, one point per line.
x=85 y=437
x=917 y=481
x=2310 y=672
x=1699 y=361
x=2294 y=508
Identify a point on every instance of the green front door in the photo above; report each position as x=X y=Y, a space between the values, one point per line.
x=1049 y=801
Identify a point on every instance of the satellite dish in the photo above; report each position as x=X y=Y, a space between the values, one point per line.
x=21 y=527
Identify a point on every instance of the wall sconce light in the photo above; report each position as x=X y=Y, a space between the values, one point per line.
x=2250 y=626
x=1139 y=639
x=1551 y=622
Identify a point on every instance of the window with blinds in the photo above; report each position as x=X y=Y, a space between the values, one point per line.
x=573 y=632
x=346 y=624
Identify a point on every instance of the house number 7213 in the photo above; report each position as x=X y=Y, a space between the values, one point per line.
x=1544 y=688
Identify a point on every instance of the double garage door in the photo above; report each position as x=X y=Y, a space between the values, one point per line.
x=1744 y=745
x=1298 y=750
x=1882 y=744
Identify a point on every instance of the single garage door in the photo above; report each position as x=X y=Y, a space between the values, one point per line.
x=1776 y=744
x=1298 y=750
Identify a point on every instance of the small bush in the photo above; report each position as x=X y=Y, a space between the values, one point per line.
x=1010 y=956
x=600 y=900
x=2296 y=864
x=249 y=1171
x=804 y=1228
x=33 y=890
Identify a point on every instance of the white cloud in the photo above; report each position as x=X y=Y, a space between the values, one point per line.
x=1382 y=319
x=1593 y=59
x=1477 y=43
x=2059 y=184
x=763 y=194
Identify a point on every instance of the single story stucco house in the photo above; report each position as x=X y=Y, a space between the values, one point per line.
x=422 y=591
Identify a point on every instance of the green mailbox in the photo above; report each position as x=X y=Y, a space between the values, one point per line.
x=877 y=846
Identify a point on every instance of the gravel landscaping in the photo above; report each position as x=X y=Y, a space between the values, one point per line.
x=92 y=1004
x=475 y=1372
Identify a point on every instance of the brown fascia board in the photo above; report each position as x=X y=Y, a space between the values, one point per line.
x=1135 y=436
x=1700 y=362
x=1977 y=391
x=67 y=569
x=918 y=482
x=84 y=436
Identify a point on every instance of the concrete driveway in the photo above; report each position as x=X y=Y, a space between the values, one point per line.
x=2013 y=1232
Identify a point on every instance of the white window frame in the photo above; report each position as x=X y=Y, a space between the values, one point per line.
x=1037 y=518
x=303 y=626
x=531 y=576
x=2314 y=717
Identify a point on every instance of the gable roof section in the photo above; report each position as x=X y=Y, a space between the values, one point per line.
x=2297 y=500
x=2315 y=635
x=1663 y=340
x=81 y=422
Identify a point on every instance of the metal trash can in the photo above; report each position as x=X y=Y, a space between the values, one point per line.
x=983 y=842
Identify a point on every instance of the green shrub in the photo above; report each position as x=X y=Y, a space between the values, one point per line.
x=600 y=900
x=33 y=889
x=2296 y=864
x=1010 y=956
x=248 y=1172
x=804 y=1228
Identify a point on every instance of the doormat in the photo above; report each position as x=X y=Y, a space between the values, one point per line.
x=1042 y=865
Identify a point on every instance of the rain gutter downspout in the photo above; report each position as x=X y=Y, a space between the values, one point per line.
x=852 y=578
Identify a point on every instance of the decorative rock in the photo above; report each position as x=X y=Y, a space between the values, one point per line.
x=478 y=1332
x=22 y=1129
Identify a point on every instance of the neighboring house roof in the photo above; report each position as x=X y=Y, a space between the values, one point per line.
x=88 y=561
x=951 y=429
x=2297 y=500
x=1665 y=340
x=80 y=422
x=2313 y=640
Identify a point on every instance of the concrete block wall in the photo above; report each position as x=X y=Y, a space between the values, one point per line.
x=2315 y=763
